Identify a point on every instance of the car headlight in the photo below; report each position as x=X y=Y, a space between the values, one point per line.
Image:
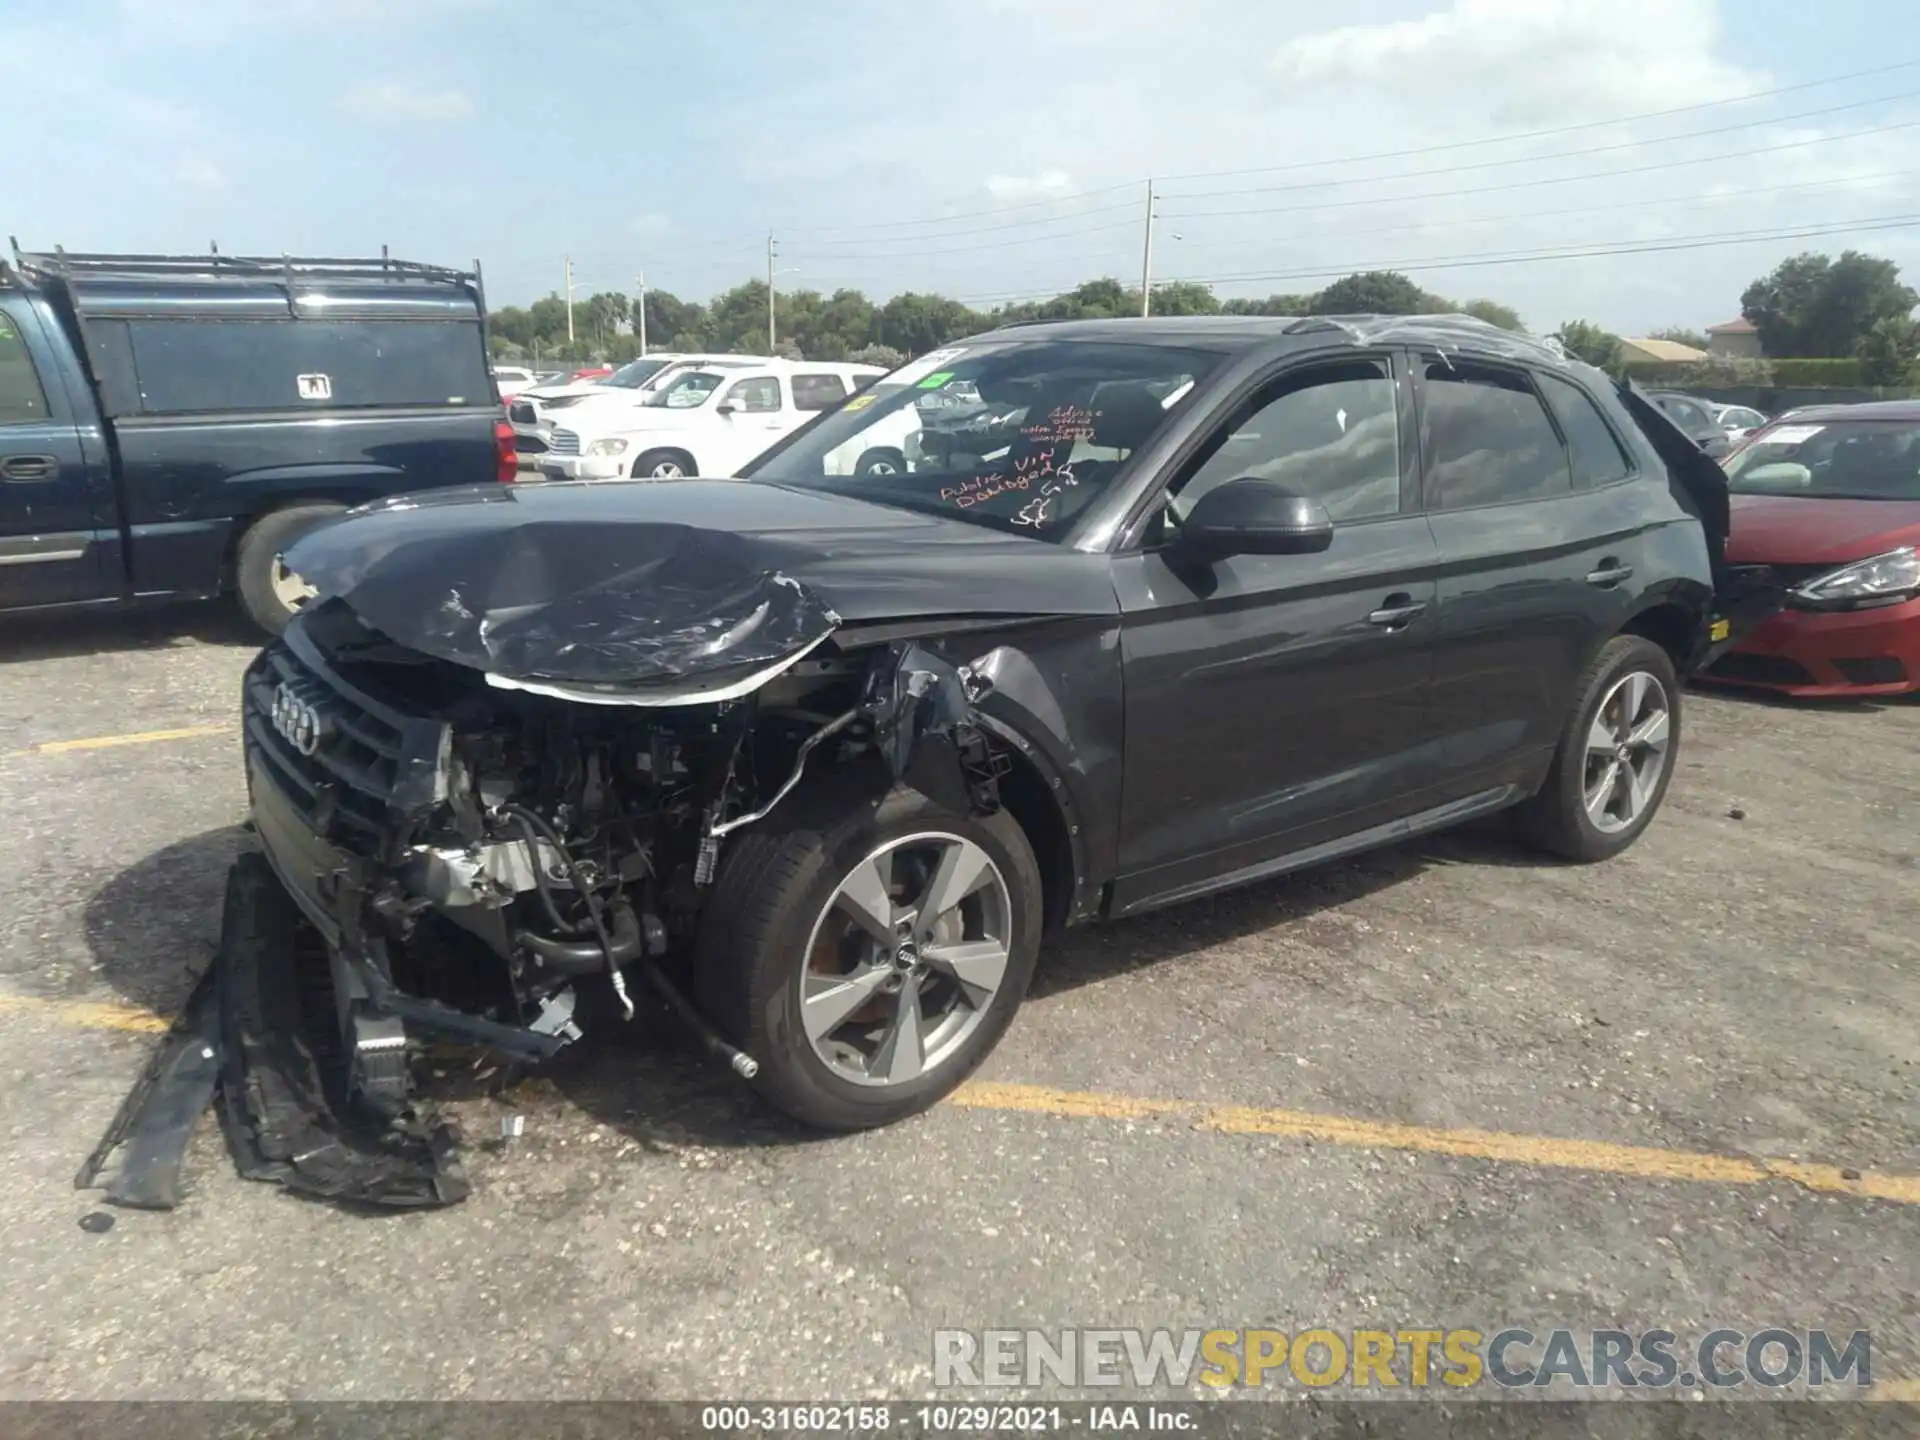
x=607 y=447
x=1895 y=573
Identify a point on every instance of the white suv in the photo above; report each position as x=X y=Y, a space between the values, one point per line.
x=704 y=420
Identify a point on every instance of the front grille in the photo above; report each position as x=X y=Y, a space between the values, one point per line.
x=527 y=444
x=1873 y=670
x=523 y=412
x=566 y=442
x=1738 y=665
x=370 y=761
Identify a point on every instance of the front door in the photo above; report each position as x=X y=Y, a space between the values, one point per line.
x=759 y=414
x=1275 y=702
x=48 y=554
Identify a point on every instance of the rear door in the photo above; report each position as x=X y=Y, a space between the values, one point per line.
x=1540 y=532
x=48 y=524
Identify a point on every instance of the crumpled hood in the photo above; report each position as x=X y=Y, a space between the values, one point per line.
x=644 y=584
x=1804 y=530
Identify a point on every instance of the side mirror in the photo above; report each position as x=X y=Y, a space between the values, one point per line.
x=730 y=406
x=1250 y=516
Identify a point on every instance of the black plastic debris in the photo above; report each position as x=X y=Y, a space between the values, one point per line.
x=157 y=1119
x=262 y=1020
x=96 y=1222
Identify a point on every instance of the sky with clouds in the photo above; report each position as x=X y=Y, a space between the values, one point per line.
x=992 y=151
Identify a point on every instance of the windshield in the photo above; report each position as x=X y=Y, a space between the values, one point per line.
x=1016 y=435
x=635 y=373
x=1850 y=459
x=686 y=391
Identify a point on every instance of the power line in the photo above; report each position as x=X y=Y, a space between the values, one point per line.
x=1554 y=179
x=1613 y=148
x=1555 y=130
x=816 y=246
x=1403 y=154
x=1668 y=201
x=1518 y=257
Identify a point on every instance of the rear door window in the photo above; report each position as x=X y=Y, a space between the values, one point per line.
x=22 y=401
x=1489 y=441
x=818 y=391
x=1598 y=458
x=186 y=366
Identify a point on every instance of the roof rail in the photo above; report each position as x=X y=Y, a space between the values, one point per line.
x=64 y=264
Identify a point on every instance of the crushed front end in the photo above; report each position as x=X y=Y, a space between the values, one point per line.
x=446 y=855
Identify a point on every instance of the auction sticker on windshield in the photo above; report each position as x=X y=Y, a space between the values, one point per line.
x=916 y=371
x=1791 y=435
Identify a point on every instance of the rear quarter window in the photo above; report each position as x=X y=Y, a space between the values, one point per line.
x=188 y=366
x=1598 y=458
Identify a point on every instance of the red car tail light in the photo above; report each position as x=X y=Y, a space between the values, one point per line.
x=506 y=457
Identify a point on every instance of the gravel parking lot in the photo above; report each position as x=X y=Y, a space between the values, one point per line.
x=1445 y=1084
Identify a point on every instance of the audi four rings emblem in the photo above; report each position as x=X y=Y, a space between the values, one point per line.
x=296 y=719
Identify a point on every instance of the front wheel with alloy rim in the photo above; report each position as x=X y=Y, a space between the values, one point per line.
x=869 y=955
x=662 y=465
x=1615 y=757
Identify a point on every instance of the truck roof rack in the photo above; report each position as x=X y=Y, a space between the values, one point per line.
x=64 y=264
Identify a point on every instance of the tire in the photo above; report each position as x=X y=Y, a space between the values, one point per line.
x=1560 y=818
x=884 y=460
x=663 y=465
x=258 y=578
x=774 y=908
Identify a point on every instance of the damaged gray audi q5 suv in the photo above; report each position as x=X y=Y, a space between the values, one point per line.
x=817 y=757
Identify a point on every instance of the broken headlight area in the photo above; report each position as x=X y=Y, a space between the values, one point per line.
x=442 y=857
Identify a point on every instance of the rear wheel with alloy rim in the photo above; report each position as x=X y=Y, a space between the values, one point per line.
x=867 y=955
x=1615 y=757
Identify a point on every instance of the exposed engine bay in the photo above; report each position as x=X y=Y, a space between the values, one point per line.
x=470 y=858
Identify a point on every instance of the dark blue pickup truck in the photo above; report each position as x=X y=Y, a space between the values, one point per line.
x=169 y=425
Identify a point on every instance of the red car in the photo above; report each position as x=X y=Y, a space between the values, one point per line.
x=1830 y=498
x=593 y=372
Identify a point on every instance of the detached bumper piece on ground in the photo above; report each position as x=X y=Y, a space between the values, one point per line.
x=259 y=1037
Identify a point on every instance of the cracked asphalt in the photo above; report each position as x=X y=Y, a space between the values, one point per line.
x=1745 y=982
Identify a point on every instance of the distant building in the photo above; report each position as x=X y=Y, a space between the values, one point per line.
x=1736 y=338
x=1659 y=352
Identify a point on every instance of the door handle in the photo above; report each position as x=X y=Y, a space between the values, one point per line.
x=29 y=467
x=1397 y=612
x=1610 y=572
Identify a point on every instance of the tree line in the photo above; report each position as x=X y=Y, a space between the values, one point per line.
x=1809 y=305
x=846 y=325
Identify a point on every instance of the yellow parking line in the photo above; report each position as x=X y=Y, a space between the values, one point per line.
x=87 y=1014
x=1642 y=1161
x=1543 y=1150
x=107 y=742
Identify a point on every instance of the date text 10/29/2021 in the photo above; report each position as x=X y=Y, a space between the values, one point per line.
x=877 y=1418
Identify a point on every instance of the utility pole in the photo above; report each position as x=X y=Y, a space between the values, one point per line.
x=1146 y=260
x=771 y=341
x=569 y=299
x=640 y=314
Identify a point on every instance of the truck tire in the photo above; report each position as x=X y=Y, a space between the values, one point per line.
x=663 y=465
x=261 y=582
x=1615 y=757
x=857 y=1019
x=884 y=460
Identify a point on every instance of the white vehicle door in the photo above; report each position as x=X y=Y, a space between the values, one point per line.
x=753 y=413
